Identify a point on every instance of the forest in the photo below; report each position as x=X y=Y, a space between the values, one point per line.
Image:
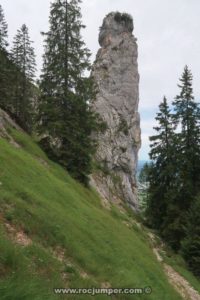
x=172 y=177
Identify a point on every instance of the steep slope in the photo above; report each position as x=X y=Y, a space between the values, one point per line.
x=55 y=233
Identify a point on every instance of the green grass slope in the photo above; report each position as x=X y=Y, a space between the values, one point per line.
x=70 y=239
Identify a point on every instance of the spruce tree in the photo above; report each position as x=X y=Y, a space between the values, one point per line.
x=161 y=171
x=3 y=30
x=187 y=161
x=175 y=173
x=187 y=114
x=22 y=54
x=65 y=118
x=4 y=74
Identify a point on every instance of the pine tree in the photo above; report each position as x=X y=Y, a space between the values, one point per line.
x=3 y=30
x=23 y=57
x=4 y=74
x=175 y=173
x=161 y=171
x=187 y=162
x=65 y=118
x=187 y=114
x=23 y=53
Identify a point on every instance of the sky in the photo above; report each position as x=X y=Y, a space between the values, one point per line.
x=168 y=34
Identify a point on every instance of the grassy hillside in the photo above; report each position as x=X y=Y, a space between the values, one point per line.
x=55 y=233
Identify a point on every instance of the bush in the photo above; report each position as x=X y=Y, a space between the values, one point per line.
x=124 y=17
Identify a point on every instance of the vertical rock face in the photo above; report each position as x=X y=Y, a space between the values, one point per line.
x=116 y=75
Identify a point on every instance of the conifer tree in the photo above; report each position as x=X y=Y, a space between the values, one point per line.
x=22 y=54
x=187 y=161
x=4 y=75
x=175 y=173
x=187 y=114
x=3 y=30
x=161 y=171
x=65 y=117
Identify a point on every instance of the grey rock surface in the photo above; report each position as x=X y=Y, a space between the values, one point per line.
x=115 y=72
x=7 y=123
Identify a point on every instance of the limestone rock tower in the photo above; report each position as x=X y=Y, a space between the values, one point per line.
x=115 y=72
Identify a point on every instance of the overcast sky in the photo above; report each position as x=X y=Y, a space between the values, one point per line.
x=168 y=34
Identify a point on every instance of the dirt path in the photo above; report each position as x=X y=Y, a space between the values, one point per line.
x=181 y=285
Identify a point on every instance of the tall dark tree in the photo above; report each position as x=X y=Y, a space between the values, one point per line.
x=175 y=173
x=187 y=153
x=3 y=30
x=65 y=117
x=187 y=114
x=4 y=75
x=23 y=57
x=161 y=171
